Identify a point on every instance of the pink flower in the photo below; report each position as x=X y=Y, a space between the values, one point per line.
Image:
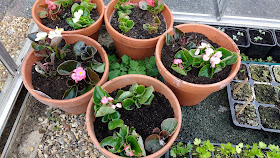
x=78 y=74
x=214 y=61
x=127 y=3
x=110 y=99
x=209 y=51
x=51 y=5
x=128 y=151
x=119 y=105
x=151 y=3
x=205 y=57
x=104 y=100
x=177 y=61
x=112 y=106
x=218 y=54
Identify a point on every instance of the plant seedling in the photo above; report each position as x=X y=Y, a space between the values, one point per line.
x=236 y=37
x=259 y=38
x=222 y=29
x=180 y=149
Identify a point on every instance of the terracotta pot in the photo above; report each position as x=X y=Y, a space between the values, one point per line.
x=123 y=81
x=190 y=94
x=132 y=47
x=76 y=105
x=92 y=30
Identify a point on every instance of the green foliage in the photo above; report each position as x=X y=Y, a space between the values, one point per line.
x=180 y=149
x=152 y=28
x=156 y=9
x=225 y=150
x=83 y=20
x=47 y=13
x=237 y=36
x=124 y=141
x=203 y=150
x=259 y=38
x=129 y=66
x=123 y=11
x=246 y=58
x=64 y=3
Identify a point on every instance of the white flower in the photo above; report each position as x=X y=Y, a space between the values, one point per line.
x=77 y=15
x=214 y=61
x=197 y=52
x=41 y=36
x=209 y=51
x=218 y=54
x=204 y=45
x=205 y=57
x=55 y=33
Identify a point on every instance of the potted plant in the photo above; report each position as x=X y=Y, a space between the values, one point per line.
x=66 y=69
x=49 y=14
x=274 y=52
x=239 y=36
x=199 y=63
x=261 y=42
x=134 y=98
x=136 y=25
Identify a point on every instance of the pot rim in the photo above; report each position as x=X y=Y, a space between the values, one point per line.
x=103 y=78
x=183 y=83
x=108 y=24
x=90 y=118
x=99 y=20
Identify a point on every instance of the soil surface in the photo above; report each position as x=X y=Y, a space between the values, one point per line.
x=144 y=119
x=267 y=37
x=248 y=116
x=270 y=117
x=260 y=73
x=276 y=72
x=139 y=17
x=266 y=94
x=55 y=86
x=277 y=33
x=243 y=94
x=61 y=22
x=241 y=40
x=242 y=73
x=167 y=58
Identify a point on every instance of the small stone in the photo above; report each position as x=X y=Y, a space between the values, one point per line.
x=75 y=124
x=61 y=141
x=40 y=119
x=10 y=31
x=31 y=149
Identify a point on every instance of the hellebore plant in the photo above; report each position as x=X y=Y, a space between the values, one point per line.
x=155 y=7
x=205 y=56
x=81 y=14
x=53 y=47
x=124 y=9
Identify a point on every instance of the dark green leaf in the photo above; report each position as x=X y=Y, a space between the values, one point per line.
x=169 y=125
x=152 y=144
x=87 y=89
x=127 y=103
x=177 y=33
x=124 y=131
x=78 y=47
x=225 y=52
x=113 y=74
x=169 y=39
x=204 y=71
x=98 y=93
x=148 y=92
x=104 y=110
x=114 y=124
x=125 y=59
x=90 y=52
x=135 y=147
x=232 y=60
x=189 y=57
x=176 y=68
x=114 y=143
x=37 y=47
x=98 y=67
x=181 y=55
x=67 y=67
x=71 y=93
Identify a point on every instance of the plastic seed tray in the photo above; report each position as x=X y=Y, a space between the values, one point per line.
x=271 y=83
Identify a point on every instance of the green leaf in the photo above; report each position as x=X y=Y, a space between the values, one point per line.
x=90 y=52
x=169 y=125
x=149 y=101
x=124 y=131
x=225 y=52
x=98 y=93
x=67 y=67
x=113 y=74
x=125 y=59
x=115 y=66
x=152 y=144
x=94 y=78
x=135 y=147
x=181 y=55
x=217 y=69
x=43 y=14
x=78 y=47
x=118 y=94
x=189 y=57
x=98 y=67
x=232 y=60
x=124 y=95
x=37 y=47
x=132 y=88
x=74 y=6
x=104 y=110
x=140 y=89
x=87 y=89
x=115 y=123
x=127 y=103
x=129 y=24
x=70 y=93
x=152 y=72
x=176 y=68
x=177 y=33
x=85 y=11
x=169 y=39
x=204 y=71
x=133 y=65
x=148 y=92
x=114 y=143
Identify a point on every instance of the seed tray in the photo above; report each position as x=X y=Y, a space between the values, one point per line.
x=253 y=82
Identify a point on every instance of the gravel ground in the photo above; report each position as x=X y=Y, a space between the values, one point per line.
x=13 y=31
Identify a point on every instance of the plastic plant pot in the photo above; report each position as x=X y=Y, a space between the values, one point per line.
x=275 y=51
x=242 y=41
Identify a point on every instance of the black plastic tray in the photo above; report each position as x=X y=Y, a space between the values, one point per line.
x=232 y=101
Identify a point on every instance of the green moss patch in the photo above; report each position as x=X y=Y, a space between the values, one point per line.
x=243 y=94
x=242 y=73
x=270 y=117
x=276 y=72
x=266 y=94
x=248 y=116
x=260 y=73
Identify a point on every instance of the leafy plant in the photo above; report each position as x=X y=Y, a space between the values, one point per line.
x=124 y=9
x=259 y=38
x=129 y=66
x=180 y=149
x=204 y=149
x=237 y=36
x=210 y=61
x=50 y=9
x=155 y=7
x=82 y=70
x=126 y=142
x=225 y=150
x=156 y=141
x=64 y=3
x=81 y=14
x=246 y=58
x=222 y=29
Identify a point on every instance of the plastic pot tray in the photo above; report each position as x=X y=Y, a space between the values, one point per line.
x=252 y=82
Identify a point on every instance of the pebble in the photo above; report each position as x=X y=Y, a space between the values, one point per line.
x=31 y=149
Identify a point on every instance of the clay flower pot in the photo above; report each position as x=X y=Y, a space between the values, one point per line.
x=123 y=81
x=190 y=94
x=132 y=47
x=92 y=30
x=76 y=105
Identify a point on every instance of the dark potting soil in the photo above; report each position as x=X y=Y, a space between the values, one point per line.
x=144 y=119
x=266 y=94
x=277 y=33
x=270 y=117
x=242 y=73
x=55 y=86
x=167 y=58
x=139 y=17
x=242 y=40
x=267 y=37
x=61 y=22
